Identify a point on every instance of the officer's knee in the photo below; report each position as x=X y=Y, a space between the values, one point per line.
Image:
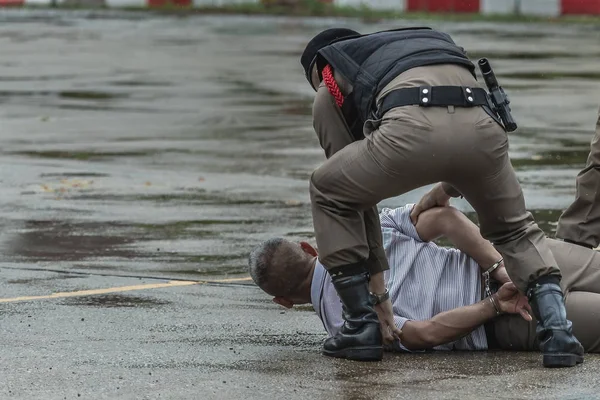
x=500 y=235
x=315 y=183
x=320 y=186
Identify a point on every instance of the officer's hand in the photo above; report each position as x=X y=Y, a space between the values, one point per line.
x=436 y=197
x=389 y=331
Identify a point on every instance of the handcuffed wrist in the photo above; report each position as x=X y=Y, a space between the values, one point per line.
x=486 y=282
x=495 y=304
x=494 y=266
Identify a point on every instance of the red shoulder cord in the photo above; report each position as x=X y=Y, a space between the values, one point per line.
x=332 y=86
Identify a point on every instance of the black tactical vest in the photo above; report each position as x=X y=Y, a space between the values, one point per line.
x=370 y=62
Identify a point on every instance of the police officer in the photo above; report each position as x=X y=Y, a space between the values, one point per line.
x=417 y=116
x=580 y=223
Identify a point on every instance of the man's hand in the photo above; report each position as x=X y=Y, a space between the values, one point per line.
x=436 y=197
x=389 y=331
x=511 y=301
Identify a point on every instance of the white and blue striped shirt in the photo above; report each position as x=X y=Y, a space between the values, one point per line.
x=424 y=280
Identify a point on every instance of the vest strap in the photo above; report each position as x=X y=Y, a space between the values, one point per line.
x=434 y=96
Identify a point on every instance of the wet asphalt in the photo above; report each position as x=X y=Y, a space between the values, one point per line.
x=140 y=149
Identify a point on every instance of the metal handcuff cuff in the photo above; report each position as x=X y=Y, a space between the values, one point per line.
x=486 y=280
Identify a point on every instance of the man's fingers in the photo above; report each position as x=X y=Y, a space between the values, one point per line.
x=397 y=332
x=525 y=315
x=525 y=310
x=414 y=214
x=390 y=332
x=387 y=336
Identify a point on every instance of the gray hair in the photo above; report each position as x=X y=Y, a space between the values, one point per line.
x=276 y=266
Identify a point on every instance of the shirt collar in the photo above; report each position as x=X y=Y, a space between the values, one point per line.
x=316 y=287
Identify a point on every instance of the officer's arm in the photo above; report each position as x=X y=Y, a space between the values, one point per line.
x=463 y=234
x=446 y=327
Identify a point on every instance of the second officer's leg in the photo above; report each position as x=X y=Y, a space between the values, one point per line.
x=580 y=223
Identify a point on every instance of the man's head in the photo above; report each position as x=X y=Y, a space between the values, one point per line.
x=283 y=269
x=323 y=39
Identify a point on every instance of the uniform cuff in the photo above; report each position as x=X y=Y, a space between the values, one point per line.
x=377 y=261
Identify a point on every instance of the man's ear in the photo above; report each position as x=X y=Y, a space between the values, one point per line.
x=308 y=249
x=282 y=301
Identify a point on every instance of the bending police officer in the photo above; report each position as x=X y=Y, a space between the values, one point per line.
x=413 y=94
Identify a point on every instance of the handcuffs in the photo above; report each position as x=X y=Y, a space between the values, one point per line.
x=486 y=280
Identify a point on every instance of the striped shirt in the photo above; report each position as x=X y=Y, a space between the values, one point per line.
x=424 y=280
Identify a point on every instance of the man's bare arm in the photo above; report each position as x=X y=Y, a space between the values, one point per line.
x=452 y=325
x=463 y=234
x=446 y=327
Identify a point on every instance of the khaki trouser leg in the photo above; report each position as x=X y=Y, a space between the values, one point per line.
x=580 y=268
x=334 y=135
x=489 y=183
x=391 y=160
x=581 y=221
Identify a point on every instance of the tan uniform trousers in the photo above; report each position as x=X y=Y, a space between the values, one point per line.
x=414 y=146
x=334 y=135
x=580 y=269
x=581 y=221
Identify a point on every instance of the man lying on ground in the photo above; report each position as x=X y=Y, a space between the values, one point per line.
x=437 y=293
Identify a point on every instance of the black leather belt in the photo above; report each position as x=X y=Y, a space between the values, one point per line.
x=432 y=96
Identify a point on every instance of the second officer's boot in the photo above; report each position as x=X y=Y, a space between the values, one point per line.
x=559 y=346
x=360 y=337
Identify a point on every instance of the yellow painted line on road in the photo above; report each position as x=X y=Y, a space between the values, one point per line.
x=117 y=289
x=94 y=292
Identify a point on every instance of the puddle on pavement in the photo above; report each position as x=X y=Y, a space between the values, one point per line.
x=140 y=83
x=550 y=75
x=75 y=95
x=82 y=155
x=114 y=301
x=59 y=245
x=74 y=175
x=305 y=234
x=219 y=270
x=499 y=33
x=49 y=241
x=34 y=281
x=529 y=55
x=90 y=95
x=552 y=158
x=199 y=196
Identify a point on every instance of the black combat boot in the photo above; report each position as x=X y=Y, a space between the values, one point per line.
x=360 y=336
x=557 y=342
